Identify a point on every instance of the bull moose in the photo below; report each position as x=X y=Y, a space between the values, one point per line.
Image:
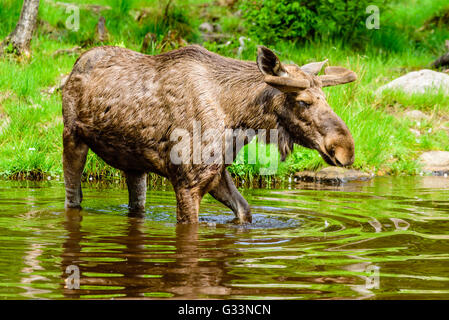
x=125 y=105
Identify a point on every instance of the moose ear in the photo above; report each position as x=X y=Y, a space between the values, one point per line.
x=269 y=63
x=313 y=68
x=275 y=73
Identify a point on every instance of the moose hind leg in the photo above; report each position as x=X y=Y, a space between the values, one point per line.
x=226 y=192
x=73 y=161
x=137 y=191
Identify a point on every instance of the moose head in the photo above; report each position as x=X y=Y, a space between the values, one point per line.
x=305 y=113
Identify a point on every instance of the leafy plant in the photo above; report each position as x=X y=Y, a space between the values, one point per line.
x=272 y=20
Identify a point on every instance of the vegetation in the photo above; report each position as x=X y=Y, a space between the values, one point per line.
x=273 y=20
x=409 y=38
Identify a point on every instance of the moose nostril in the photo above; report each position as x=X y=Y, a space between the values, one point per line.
x=339 y=152
x=330 y=151
x=338 y=163
x=343 y=157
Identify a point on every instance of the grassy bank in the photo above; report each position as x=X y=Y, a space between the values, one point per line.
x=31 y=121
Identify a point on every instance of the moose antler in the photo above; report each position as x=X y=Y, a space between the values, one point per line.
x=337 y=75
x=287 y=84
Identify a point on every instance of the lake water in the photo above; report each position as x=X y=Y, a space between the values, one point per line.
x=383 y=239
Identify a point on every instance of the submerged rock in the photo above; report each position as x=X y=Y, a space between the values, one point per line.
x=435 y=162
x=422 y=81
x=332 y=175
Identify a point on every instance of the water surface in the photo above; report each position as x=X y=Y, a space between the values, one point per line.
x=383 y=239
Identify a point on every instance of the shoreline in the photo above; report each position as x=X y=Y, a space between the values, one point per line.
x=257 y=181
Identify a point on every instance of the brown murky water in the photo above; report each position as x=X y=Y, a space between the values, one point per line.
x=384 y=239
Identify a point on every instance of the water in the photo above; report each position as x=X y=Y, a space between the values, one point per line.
x=383 y=239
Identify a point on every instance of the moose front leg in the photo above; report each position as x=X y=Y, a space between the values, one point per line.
x=137 y=191
x=188 y=206
x=226 y=192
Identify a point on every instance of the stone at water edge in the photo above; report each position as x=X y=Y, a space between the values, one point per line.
x=422 y=81
x=435 y=162
x=332 y=175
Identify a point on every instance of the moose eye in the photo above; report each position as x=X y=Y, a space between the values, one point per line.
x=303 y=104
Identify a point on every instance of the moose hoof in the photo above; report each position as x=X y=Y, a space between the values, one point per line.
x=71 y=205
x=243 y=219
x=136 y=211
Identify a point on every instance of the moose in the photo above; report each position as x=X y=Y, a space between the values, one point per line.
x=125 y=105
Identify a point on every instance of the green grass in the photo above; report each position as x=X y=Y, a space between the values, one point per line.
x=31 y=122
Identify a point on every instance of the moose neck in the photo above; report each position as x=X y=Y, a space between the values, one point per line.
x=249 y=103
x=247 y=100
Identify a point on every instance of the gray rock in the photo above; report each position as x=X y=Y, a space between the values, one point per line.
x=332 y=175
x=416 y=115
x=206 y=27
x=422 y=81
x=435 y=162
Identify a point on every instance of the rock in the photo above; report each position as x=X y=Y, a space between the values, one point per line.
x=332 y=175
x=435 y=162
x=206 y=27
x=422 y=81
x=416 y=115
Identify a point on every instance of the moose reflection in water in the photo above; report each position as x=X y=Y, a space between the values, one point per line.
x=163 y=267
x=175 y=268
